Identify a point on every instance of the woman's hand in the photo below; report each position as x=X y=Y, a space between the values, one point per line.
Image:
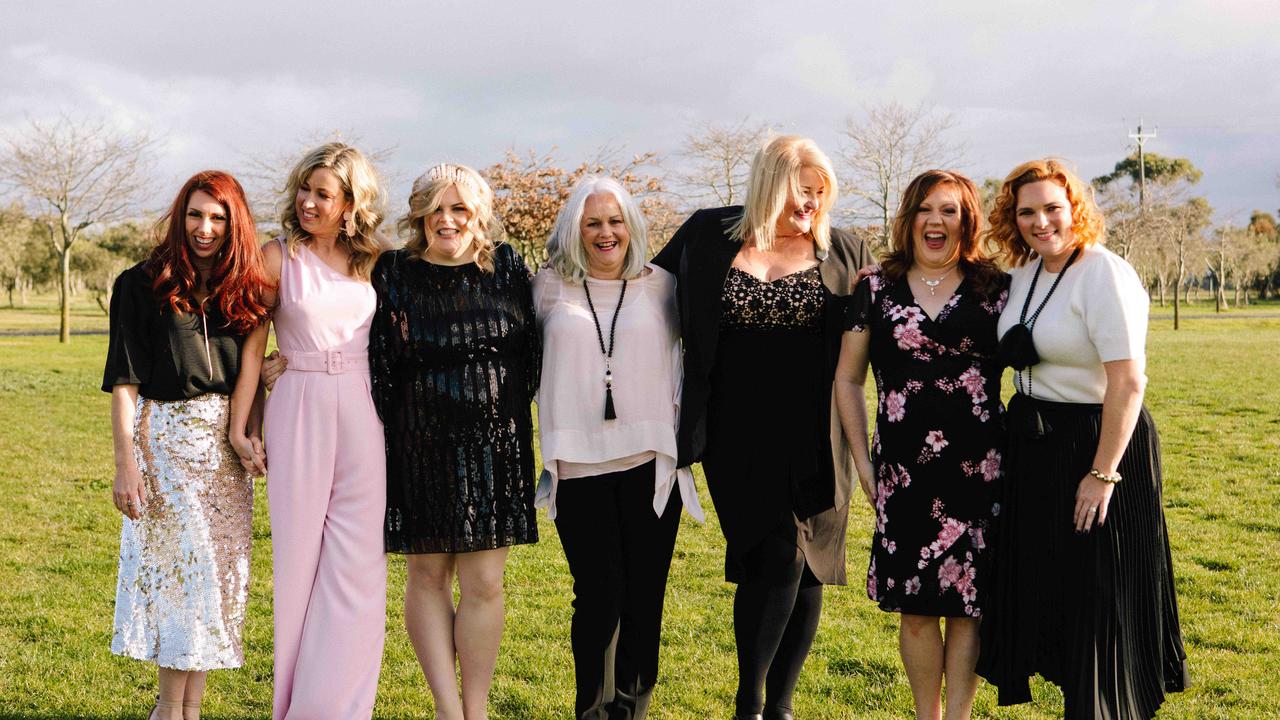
x=127 y=492
x=1093 y=497
x=273 y=366
x=865 y=272
x=251 y=454
x=867 y=481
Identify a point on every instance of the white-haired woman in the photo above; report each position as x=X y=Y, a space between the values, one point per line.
x=454 y=352
x=327 y=485
x=761 y=294
x=607 y=412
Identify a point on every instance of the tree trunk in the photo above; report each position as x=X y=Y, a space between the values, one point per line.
x=1160 y=287
x=64 y=327
x=1176 y=294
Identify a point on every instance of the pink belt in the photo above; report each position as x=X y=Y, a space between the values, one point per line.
x=333 y=362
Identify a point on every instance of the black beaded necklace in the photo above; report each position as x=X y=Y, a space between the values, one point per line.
x=609 y=413
x=1030 y=322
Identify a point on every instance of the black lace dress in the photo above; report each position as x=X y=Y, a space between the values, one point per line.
x=454 y=358
x=763 y=426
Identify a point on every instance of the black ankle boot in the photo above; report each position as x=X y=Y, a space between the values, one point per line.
x=777 y=714
x=752 y=716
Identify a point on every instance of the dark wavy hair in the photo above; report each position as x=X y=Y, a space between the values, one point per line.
x=238 y=282
x=975 y=259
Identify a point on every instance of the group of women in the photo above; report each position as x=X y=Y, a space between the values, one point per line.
x=399 y=420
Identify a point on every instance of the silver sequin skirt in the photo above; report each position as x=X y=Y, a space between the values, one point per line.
x=184 y=565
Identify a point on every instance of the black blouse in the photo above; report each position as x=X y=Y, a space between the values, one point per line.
x=168 y=355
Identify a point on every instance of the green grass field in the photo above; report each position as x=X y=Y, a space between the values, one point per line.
x=1213 y=392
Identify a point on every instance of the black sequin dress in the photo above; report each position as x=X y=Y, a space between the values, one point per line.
x=454 y=358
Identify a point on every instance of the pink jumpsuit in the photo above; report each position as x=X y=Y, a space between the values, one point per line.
x=327 y=491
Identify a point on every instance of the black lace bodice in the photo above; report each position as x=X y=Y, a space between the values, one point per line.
x=454 y=359
x=792 y=302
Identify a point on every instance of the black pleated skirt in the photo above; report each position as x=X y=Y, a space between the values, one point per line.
x=1094 y=613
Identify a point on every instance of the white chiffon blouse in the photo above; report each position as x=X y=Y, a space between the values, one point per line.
x=576 y=440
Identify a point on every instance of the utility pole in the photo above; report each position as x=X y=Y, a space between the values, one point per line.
x=1141 y=137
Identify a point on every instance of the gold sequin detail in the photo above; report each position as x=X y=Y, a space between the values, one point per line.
x=183 y=581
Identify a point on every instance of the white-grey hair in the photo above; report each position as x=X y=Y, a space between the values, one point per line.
x=564 y=247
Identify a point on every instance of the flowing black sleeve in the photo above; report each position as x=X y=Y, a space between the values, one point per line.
x=669 y=257
x=386 y=338
x=129 y=349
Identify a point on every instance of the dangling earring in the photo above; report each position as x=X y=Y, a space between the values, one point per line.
x=349 y=223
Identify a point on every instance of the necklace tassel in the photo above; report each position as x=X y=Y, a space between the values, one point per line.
x=609 y=413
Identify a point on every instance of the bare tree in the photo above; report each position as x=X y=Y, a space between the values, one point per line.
x=883 y=152
x=1183 y=226
x=76 y=173
x=17 y=234
x=720 y=157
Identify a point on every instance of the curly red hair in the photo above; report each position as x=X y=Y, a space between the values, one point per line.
x=238 y=283
x=1087 y=224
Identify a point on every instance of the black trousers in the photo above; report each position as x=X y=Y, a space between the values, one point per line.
x=619 y=553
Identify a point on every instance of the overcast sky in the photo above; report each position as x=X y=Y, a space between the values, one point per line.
x=463 y=81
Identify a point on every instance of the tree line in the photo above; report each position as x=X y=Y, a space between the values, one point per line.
x=74 y=201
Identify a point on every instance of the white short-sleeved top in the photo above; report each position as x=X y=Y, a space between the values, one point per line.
x=1097 y=314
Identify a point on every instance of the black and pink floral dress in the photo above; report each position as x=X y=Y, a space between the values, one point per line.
x=937 y=444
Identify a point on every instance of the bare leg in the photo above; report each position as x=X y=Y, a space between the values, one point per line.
x=429 y=620
x=193 y=695
x=961 y=659
x=173 y=683
x=477 y=631
x=920 y=643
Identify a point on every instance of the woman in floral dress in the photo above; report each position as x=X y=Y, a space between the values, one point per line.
x=926 y=323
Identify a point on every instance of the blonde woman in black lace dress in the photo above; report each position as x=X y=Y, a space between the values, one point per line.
x=761 y=291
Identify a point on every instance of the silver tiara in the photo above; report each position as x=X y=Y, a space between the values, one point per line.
x=445 y=171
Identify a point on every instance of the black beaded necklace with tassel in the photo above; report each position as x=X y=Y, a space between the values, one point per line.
x=609 y=413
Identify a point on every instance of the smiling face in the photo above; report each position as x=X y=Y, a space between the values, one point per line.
x=1044 y=221
x=797 y=215
x=936 y=228
x=206 y=223
x=604 y=236
x=449 y=237
x=320 y=203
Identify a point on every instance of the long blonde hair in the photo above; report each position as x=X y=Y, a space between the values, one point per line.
x=428 y=194
x=362 y=189
x=775 y=179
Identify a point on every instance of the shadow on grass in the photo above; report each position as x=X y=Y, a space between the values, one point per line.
x=37 y=715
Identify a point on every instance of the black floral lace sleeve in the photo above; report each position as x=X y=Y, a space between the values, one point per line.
x=857 y=314
x=522 y=281
x=386 y=342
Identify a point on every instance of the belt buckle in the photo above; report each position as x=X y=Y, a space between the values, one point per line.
x=333 y=362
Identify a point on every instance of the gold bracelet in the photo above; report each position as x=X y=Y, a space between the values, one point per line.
x=1112 y=479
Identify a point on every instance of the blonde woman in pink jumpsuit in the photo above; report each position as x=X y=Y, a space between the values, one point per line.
x=327 y=481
